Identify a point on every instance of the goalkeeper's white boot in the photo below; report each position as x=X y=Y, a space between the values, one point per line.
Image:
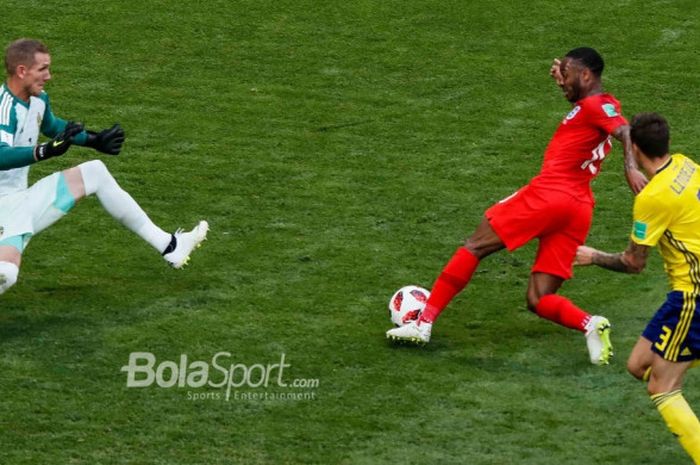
x=186 y=242
x=417 y=332
x=598 y=340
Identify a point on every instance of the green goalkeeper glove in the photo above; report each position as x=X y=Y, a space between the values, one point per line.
x=59 y=144
x=107 y=141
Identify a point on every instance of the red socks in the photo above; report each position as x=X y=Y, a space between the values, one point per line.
x=458 y=272
x=452 y=280
x=561 y=310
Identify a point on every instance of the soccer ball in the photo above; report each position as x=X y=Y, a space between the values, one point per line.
x=407 y=304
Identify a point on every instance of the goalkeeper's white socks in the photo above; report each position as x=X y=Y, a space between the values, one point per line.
x=118 y=203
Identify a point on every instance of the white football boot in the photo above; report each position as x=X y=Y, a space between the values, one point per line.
x=186 y=243
x=415 y=332
x=598 y=340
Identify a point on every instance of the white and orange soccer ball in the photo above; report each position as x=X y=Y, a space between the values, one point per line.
x=407 y=304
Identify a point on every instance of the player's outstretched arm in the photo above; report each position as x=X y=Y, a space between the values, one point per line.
x=107 y=141
x=15 y=157
x=60 y=143
x=632 y=260
x=635 y=178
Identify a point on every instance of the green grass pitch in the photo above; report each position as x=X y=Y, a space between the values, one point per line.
x=339 y=151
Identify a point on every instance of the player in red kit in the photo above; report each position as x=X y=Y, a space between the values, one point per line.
x=556 y=208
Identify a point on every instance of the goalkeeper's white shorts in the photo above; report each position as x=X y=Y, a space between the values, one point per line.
x=27 y=212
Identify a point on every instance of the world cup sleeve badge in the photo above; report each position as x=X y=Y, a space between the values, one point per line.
x=610 y=110
x=640 y=230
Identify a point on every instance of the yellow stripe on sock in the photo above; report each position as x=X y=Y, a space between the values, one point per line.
x=660 y=399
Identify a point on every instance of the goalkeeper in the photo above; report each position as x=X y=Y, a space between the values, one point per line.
x=25 y=211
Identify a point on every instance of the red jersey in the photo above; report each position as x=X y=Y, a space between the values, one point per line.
x=579 y=146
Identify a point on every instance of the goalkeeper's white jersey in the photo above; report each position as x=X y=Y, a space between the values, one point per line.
x=20 y=125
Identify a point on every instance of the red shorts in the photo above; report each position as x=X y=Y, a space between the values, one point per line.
x=557 y=219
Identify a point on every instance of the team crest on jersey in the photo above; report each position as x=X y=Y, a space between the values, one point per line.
x=610 y=110
x=572 y=114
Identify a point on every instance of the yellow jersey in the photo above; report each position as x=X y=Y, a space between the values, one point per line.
x=667 y=213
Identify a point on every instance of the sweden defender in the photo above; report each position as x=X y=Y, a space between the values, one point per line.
x=555 y=208
x=25 y=113
x=667 y=214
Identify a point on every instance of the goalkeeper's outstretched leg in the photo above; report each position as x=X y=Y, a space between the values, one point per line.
x=93 y=177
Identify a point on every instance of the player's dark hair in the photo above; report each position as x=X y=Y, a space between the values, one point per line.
x=21 y=52
x=589 y=58
x=650 y=132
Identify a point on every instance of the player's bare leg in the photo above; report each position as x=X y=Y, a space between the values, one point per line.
x=10 y=260
x=665 y=383
x=542 y=298
x=93 y=178
x=664 y=389
x=540 y=285
x=484 y=241
x=640 y=359
x=454 y=277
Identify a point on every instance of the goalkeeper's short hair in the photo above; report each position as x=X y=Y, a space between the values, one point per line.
x=21 y=52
